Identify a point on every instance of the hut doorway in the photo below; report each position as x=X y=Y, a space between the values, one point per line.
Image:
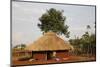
x=49 y=55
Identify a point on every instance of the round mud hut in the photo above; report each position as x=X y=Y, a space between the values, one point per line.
x=49 y=46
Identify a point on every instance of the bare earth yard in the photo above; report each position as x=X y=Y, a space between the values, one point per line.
x=52 y=61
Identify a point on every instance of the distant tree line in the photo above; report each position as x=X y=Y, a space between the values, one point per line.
x=85 y=45
x=19 y=47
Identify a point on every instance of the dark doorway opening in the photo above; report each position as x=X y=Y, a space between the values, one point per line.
x=49 y=55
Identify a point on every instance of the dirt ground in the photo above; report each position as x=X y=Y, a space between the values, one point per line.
x=52 y=61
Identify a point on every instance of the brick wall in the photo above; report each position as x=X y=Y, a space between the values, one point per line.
x=39 y=56
x=62 y=54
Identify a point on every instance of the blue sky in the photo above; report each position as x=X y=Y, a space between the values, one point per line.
x=25 y=17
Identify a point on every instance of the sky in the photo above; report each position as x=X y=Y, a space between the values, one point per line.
x=25 y=17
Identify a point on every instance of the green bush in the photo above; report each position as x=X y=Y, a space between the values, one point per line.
x=23 y=58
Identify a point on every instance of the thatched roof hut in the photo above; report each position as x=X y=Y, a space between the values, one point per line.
x=49 y=42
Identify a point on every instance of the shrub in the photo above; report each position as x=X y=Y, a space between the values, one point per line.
x=23 y=58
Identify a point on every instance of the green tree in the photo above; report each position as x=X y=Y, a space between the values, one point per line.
x=76 y=43
x=88 y=27
x=93 y=44
x=23 y=46
x=20 y=46
x=86 y=43
x=53 y=20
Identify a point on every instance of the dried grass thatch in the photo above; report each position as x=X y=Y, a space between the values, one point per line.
x=49 y=42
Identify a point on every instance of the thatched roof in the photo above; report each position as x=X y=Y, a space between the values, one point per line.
x=48 y=42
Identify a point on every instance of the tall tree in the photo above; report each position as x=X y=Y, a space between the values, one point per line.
x=53 y=20
x=88 y=28
x=86 y=42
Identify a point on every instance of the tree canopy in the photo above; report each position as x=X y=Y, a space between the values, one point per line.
x=53 y=20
